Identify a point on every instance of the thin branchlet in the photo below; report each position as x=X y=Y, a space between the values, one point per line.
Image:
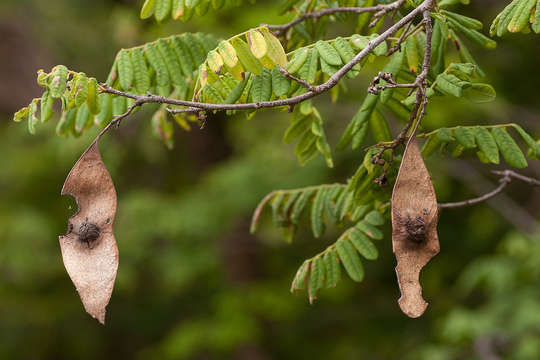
x=379 y=10
x=506 y=177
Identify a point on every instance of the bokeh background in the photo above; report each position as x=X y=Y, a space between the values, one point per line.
x=192 y=282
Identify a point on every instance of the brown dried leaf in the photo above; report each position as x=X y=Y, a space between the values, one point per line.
x=89 y=249
x=414 y=228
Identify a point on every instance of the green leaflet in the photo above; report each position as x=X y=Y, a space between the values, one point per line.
x=380 y=49
x=162 y=9
x=463 y=71
x=21 y=114
x=299 y=281
x=236 y=92
x=227 y=52
x=438 y=46
x=533 y=145
x=360 y=136
x=276 y=203
x=473 y=35
x=379 y=127
x=369 y=230
x=298 y=126
x=81 y=89
x=290 y=201
x=332 y=268
x=450 y=84
x=257 y=44
x=203 y=8
x=163 y=128
x=536 y=22
x=195 y=48
x=275 y=49
x=317 y=212
x=457 y=151
x=177 y=9
x=430 y=145
x=125 y=69
x=300 y=204
x=208 y=42
x=465 y=55
x=344 y=204
x=141 y=78
x=329 y=69
x=316 y=280
x=465 y=137
x=363 y=114
x=464 y=20
x=479 y=93
x=212 y=95
x=67 y=122
x=308 y=71
x=364 y=246
x=506 y=17
x=374 y=218
x=247 y=59
x=83 y=120
x=297 y=60
x=118 y=105
x=261 y=88
x=92 y=98
x=57 y=81
x=171 y=62
x=214 y=61
x=158 y=64
x=350 y=259
x=359 y=42
x=147 y=9
x=411 y=50
x=345 y=50
x=46 y=102
x=183 y=56
x=113 y=73
x=32 y=116
x=521 y=15
x=306 y=147
x=399 y=109
x=280 y=84
x=509 y=149
x=486 y=144
x=328 y=53
x=105 y=115
x=445 y=135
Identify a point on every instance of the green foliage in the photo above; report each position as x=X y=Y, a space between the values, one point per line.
x=324 y=270
x=487 y=144
x=166 y=66
x=518 y=16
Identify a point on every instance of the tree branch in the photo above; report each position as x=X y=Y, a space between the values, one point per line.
x=507 y=176
x=379 y=11
x=194 y=106
x=420 y=84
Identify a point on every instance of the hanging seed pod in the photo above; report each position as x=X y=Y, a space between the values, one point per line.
x=414 y=227
x=89 y=249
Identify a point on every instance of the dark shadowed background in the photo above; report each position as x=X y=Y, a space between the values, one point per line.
x=192 y=282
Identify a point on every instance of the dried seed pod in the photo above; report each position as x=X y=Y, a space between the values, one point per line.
x=414 y=227
x=89 y=249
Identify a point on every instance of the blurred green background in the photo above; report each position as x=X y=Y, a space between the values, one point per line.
x=192 y=282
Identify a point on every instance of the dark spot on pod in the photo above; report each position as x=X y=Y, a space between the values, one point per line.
x=89 y=233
